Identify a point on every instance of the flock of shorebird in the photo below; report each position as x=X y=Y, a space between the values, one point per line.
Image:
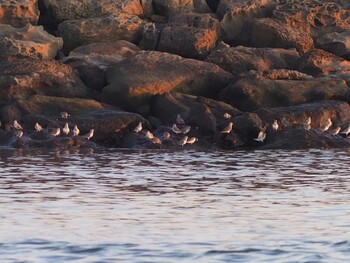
x=57 y=131
x=181 y=129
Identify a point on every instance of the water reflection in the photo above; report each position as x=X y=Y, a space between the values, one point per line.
x=109 y=206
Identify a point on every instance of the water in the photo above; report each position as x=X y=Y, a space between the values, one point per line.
x=122 y=206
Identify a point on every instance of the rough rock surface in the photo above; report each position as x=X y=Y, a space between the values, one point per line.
x=27 y=42
x=336 y=43
x=18 y=13
x=133 y=81
x=171 y=7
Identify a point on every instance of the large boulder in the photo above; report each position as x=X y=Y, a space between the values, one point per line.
x=189 y=35
x=23 y=78
x=171 y=7
x=336 y=43
x=92 y=60
x=27 y=42
x=267 y=32
x=107 y=28
x=199 y=112
x=242 y=59
x=19 y=13
x=134 y=80
x=54 y=12
x=254 y=92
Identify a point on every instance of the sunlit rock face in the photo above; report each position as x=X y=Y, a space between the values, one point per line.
x=18 y=13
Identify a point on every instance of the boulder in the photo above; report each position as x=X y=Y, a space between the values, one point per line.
x=336 y=43
x=250 y=93
x=92 y=60
x=201 y=6
x=23 y=78
x=189 y=35
x=54 y=12
x=19 y=13
x=199 y=112
x=108 y=28
x=243 y=59
x=171 y=7
x=27 y=42
x=134 y=80
x=267 y=32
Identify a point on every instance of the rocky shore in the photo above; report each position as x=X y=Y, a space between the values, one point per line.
x=116 y=65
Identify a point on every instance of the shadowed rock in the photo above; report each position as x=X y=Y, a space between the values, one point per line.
x=19 y=13
x=336 y=43
x=171 y=7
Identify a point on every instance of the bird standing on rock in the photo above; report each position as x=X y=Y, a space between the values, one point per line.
x=261 y=136
x=66 y=129
x=328 y=124
x=228 y=128
x=138 y=127
x=191 y=140
x=179 y=119
x=76 y=131
x=275 y=125
x=346 y=131
x=19 y=134
x=89 y=135
x=307 y=124
x=38 y=127
x=186 y=129
x=64 y=115
x=175 y=129
x=56 y=132
x=166 y=135
x=336 y=131
x=183 y=141
x=16 y=125
x=149 y=135
x=227 y=115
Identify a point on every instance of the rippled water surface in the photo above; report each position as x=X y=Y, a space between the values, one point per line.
x=122 y=206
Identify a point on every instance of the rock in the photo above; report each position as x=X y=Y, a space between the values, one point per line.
x=313 y=17
x=171 y=7
x=243 y=59
x=250 y=93
x=213 y=4
x=134 y=80
x=108 y=28
x=318 y=62
x=319 y=111
x=275 y=74
x=27 y=42
x=19 y=13
x=200 y=6
x=247 y=126
x=92 y=60
x=150 y=36
x=54 y=12
x=199 y=112
x=267 y=32
x=236 y=15
x=20 y=79
x=189 y=35
x=336 y=43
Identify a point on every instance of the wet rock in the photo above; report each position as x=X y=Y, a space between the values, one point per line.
x=171 y=7
x=251 y=93
x=242 y=59
x=200 y=113
x=92 y=61
x=54 y=12
x=336 y=43
x=135 y=80
x=27 y=42
x=19 y=13
x=190 y=35
x=267 y=32
x=20 y=79
x=108 y=28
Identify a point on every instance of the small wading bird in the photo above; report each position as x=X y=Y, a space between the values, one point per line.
x=38 y=127
x=336 y=131
x=328 y=124
x=191 y=140
x=89 y=135
x=284 y=122
x=183 y=141
x=179 y=119
x=64 y=115
x=56 y=132
x=307 y=124
x=66 y=129
x=186 y=129
x=166 y=135
x=227 y=115
x=155 y=140
x=228 y=128
x=261 y=136
x=275 y=125
x=76 y=131
x=346 y=131
x=138 y=127
x=16 y=125
x=149 y=135
x=19 y=134
x=175 y=129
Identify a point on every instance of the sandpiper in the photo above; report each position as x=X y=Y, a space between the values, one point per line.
x=284 y=122
x=186 y=129
x=307 y=124
x=275 y=125
x=138 y=127
x=175 y=129
x=166 y=135
x=328 y=124
x=261 y=136
x=76 y=131
x=155 y=140
x=56 y=132
x=66 y=129
x=19 y=134
x=89 y=135
x=336 y=131
x=228 y=128
x=227 y=115
x=192 y=140
x=149 y=135
x=38 y=127
x=64 y=115
x=179 y=119
x=346 y=131
x=16 y=125
x=183 y=141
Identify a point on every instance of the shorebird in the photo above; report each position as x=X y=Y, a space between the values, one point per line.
x=19 y=134
x=191 y=140
x=328 y=124
x=56 y=132
x=179 y=119
x=261 y=136
x=64 y=115
x=346 y=131
x=307 y=124
x=284 y=122
x=16 y=125
x=149 y=135
x=183 y=141
x=275 y=125
x=186 y=129
x=66 y=129
x=38 y=127
x=175 y=129
x=227 y=115
x=138 y=127
x=155 y=140
x=336 y=131
x=89 y=135
x=228 y=128
x=76 y=131
x=166 y=135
